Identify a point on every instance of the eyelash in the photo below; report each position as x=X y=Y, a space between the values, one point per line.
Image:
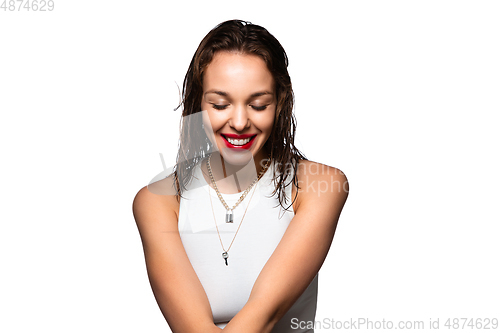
x=222 y=107
x=259 y=108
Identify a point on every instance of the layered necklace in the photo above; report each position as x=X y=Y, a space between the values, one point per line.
x=229 y=211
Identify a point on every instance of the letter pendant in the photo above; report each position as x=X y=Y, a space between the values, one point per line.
x=229 y=216
x=225 y=255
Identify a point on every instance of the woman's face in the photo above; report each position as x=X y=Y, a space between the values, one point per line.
x=239 y=97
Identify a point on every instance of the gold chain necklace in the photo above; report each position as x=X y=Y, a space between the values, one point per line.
x=225 y=253
x=229 y=211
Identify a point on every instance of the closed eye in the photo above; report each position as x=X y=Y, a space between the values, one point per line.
x=220 y=107
x=259 y=108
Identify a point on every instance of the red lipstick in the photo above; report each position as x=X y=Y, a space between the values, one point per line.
x=236 y=136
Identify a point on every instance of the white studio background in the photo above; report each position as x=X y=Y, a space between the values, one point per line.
x=400 y=95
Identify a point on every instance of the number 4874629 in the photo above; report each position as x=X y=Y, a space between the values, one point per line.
x=27 y=5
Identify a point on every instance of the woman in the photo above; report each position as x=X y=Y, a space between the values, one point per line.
x=239 y=242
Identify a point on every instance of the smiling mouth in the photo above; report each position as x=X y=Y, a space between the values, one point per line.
x=243 y=143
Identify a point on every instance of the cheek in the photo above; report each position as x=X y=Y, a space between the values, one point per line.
x=267 y=121
x=212 y=121
x=208 y=125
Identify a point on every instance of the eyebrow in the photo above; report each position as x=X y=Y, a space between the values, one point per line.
x=225 y=94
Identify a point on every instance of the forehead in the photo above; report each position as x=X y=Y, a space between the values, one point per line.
x=231 y=71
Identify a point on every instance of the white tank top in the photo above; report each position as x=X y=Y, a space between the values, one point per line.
x=228 y=287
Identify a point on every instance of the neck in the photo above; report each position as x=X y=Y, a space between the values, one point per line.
x=234 y=178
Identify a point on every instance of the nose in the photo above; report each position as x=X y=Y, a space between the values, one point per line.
x=239 y=118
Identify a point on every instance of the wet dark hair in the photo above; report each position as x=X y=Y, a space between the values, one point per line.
x=246 y=38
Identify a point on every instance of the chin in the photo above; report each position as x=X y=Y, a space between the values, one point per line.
x=236 y=156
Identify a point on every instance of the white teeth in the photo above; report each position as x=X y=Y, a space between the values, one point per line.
x=238 y=142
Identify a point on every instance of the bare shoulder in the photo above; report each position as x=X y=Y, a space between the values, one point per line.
x=155 y=202
x=321 y=183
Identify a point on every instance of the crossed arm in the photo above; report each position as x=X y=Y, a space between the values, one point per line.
x=288 y=272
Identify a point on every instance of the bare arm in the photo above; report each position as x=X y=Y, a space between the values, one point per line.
x=299 y=255
x=176 y=287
